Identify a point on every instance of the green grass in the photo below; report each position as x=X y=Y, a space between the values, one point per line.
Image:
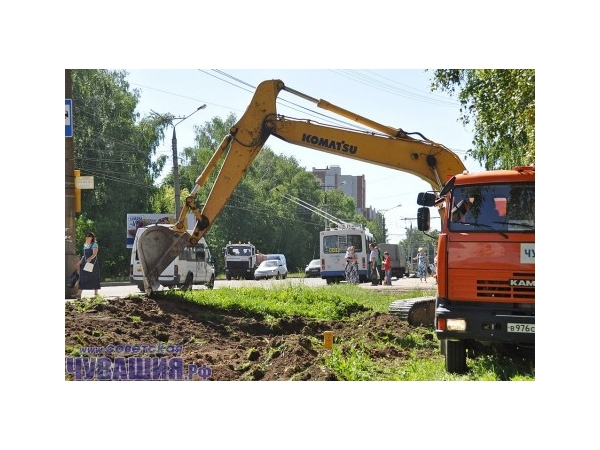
x=333 y=302
x=354 y=359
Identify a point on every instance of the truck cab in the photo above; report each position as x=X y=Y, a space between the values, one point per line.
x=193 y=266
x=240 y=261
x=485 y=263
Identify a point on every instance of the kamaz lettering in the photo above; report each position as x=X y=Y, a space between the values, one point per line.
x=323 y=142
x=522 y=283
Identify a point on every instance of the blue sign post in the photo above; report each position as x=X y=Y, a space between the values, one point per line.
x=68 y=117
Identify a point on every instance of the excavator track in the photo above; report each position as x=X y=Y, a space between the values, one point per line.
x=416 y=311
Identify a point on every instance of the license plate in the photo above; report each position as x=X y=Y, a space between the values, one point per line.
x=520 y=328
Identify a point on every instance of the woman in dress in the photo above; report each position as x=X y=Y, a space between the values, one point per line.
x=89 y=280
x=421 y=259
x=351 y=269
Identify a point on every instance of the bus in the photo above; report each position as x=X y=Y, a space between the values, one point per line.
x=333 y=245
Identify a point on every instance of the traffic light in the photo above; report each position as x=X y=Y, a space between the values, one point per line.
x=77 y=192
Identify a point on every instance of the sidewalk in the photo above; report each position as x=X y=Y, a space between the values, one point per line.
x=408 y=284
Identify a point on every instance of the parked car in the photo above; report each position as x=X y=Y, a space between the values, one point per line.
x=271 y=268
x=313 y=269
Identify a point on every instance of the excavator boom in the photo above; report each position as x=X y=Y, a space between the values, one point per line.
x=388 y=147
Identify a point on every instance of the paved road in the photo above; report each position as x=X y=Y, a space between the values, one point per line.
x=124 y=289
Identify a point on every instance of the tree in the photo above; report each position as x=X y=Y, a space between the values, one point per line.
x=117 y=150
x=501 y=106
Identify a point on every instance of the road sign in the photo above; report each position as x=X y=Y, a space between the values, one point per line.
x=84 y=182
x=68 y=117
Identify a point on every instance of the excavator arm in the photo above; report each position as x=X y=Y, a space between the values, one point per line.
x=388 y=147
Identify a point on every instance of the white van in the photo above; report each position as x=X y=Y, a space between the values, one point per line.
x=194 y=265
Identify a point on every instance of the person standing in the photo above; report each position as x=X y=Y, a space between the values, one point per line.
x=89 y=280
x=379 y=264
x=421 y=259
x=351 y=269
x=387 y=268
x=373 y=265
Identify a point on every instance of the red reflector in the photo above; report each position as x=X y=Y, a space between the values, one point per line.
x=441 y=323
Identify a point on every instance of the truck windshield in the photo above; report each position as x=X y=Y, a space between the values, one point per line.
x=500 y=207
x=238 y=250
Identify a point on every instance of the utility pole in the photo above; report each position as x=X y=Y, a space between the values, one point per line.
x=176 y=156
x=70 y=231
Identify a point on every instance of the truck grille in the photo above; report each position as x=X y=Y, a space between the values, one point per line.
x=237 y=264
x=518 y=287
x=511 y=287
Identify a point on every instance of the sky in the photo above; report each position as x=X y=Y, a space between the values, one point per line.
x=317 y=35
x=397 y=98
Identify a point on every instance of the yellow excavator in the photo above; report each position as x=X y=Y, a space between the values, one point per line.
x=385 y=146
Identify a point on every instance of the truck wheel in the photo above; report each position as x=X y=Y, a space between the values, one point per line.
x=278 y=276
x=211 y=283
x=228 y=277
x=141 y=287
x=456 y=356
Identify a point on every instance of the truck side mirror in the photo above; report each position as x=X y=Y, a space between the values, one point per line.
x=426 y=199
x=423 y=219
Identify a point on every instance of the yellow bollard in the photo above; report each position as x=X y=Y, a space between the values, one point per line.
x=327 y=340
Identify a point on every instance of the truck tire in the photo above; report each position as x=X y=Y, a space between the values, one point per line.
x=228 y=276
x=456 y=356
x=211 y=283
x=141 y=287
x=278 y=276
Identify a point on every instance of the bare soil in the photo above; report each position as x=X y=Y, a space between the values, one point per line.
x=232 y=345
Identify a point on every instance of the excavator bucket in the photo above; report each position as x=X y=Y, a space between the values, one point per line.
x=157 y=247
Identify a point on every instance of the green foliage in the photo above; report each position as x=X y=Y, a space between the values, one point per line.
x=85 y=304
x=117 y=149
x=501 y=106
x=354 y=365
x=326 y=303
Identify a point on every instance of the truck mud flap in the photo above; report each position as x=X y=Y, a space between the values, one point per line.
x=416 y=311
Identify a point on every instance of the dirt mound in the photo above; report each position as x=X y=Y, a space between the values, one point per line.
x=211 y=343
